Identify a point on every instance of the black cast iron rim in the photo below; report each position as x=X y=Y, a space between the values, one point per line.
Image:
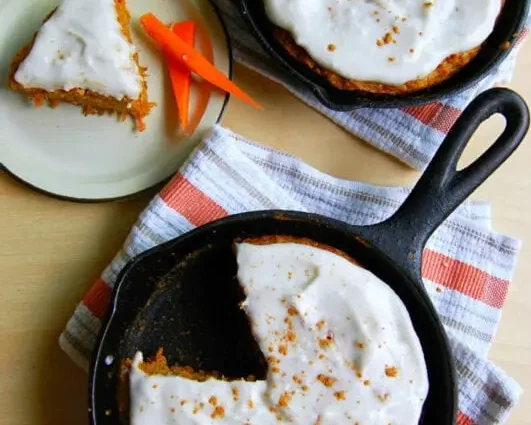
x=510 y=24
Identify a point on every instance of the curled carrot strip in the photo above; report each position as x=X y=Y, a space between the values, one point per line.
x=181 y=51
x=180 y=75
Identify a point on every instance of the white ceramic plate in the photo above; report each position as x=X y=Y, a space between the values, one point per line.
x=63 y=153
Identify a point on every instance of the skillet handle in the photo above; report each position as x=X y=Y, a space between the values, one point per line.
x=442 y=188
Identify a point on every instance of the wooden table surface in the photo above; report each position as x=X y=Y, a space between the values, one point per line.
x=51 y=250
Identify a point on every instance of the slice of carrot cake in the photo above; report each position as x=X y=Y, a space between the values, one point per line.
x=84 y=55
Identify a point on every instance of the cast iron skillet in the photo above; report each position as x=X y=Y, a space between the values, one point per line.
x=510 y=24
x=182 y=295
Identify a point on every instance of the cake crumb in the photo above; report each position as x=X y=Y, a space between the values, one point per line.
x=331 y=47
x=198 y=408
x=320 y=324
x=391 y=59
x=391 y=371
x=326 y=341
x=388 y=37
x=213 y=400
x=379 y=42
x=218 y=412
x=411 y=50
x=327 y=381
x=250 y=403
x=366 y=382
x=284 y=399
x=339 y=395
x=396 y=30
x=272 y=360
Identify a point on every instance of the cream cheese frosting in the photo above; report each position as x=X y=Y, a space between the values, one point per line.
x=386 y=41
x=340 y=347
x=82 y=45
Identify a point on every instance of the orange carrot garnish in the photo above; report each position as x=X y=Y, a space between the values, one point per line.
x=177 y=48
x=140 y=125
x=179 y=73
x=38 y=100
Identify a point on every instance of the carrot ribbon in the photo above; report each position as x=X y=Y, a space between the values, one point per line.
x=180 y=75
x=179 y=50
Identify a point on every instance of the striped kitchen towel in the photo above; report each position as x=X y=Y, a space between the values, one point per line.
x=467 y=267
x=410 y=134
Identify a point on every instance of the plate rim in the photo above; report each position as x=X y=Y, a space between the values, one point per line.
x=154 y=187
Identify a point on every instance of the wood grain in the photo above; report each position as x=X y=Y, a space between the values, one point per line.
x=52 y=250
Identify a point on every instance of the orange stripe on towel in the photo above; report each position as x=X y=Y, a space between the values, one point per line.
x=462 y=277
x=436 y=115
x=97 y=298
x=190 y=202
x=463 y=419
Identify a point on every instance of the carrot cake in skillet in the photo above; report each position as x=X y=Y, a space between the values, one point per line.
x=339 y=343
x=83 y=54
x=390 y=46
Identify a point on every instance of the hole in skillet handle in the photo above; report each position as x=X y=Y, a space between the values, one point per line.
x=441 y=188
